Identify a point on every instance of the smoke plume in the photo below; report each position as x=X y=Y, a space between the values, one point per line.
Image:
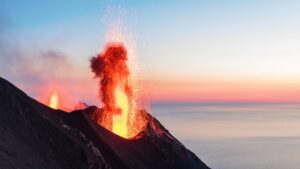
x=111 y=68
x=40 y=69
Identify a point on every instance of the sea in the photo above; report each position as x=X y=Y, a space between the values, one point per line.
x=236 y=135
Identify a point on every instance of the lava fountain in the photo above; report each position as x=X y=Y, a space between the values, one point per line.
x=53 y=101
x=116 y=91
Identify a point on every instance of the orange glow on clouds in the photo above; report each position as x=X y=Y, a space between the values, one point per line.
x=70 y=91
x=172 y=89
x=220 y=91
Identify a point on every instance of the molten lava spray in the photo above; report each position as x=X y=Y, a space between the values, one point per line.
x=120 y=114
x=53 y=101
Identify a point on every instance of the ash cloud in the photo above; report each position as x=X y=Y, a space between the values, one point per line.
x=39 y=69
x=7 y=50
x=29 y=68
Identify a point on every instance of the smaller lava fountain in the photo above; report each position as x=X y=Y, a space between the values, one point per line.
x=53 y=101
x=120 y=114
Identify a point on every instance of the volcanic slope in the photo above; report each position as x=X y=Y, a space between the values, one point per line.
x=33 y=135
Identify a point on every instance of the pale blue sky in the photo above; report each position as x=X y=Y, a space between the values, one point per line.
x=199 y=40
x=204 y=37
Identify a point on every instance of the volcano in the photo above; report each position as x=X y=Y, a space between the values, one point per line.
x=36 y=136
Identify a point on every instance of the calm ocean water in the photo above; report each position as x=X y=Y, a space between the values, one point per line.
x=236 y=135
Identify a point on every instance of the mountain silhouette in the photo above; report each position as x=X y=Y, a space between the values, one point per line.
x=34 y=136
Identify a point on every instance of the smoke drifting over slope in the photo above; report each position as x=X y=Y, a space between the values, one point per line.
x=41 y=68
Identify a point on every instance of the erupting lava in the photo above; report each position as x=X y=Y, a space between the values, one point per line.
x=120 y=113
x=120 y=121
x=53 y=101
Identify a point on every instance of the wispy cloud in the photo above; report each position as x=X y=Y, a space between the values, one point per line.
x=43 y=70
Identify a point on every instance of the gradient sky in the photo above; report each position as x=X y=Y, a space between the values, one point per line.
x=190 y=50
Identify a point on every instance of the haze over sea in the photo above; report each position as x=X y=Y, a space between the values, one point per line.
x=236 y=135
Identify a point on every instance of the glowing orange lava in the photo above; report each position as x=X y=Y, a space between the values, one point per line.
x=53 y=102
x=117 y=92
x=120 y=120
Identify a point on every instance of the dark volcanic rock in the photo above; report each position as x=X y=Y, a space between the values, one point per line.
x=33 y=135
